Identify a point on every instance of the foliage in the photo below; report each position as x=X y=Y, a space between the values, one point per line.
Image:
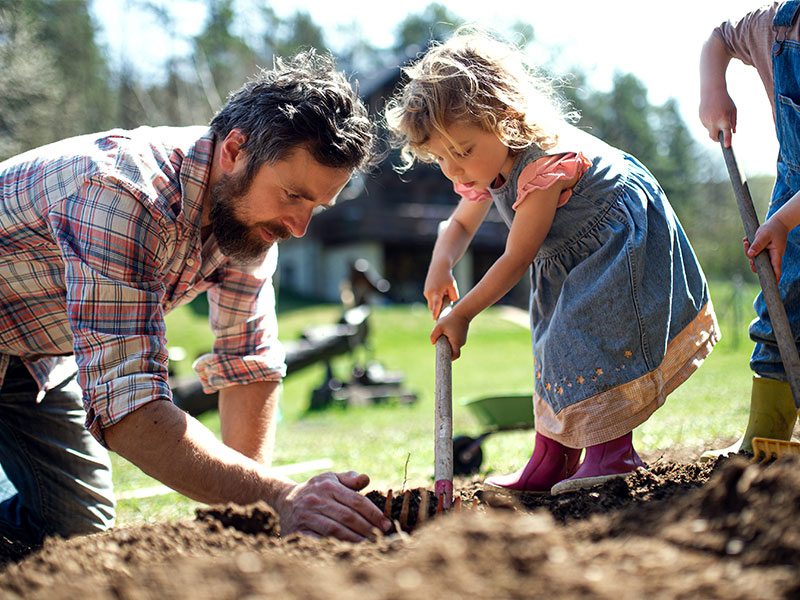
x=222 y=59
x=52 y=74
x=415 y=32
x=655 y=135
x=30 y=91
x=55 y=82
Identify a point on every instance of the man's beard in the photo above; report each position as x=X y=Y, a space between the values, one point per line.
x=238 y=240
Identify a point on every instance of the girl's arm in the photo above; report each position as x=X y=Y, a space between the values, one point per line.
x=528 y=230
x=771 y=236
x=454 y=237
x=717 y=110
x=531 y=224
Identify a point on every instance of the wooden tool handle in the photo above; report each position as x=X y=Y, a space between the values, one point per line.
x=443 y=440
x=766 y=276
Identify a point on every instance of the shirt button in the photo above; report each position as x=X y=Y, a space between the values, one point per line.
x=190 y=261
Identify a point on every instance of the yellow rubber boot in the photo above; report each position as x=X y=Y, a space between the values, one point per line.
x=772 y=415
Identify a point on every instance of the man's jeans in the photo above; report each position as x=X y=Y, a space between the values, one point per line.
x=55 y=477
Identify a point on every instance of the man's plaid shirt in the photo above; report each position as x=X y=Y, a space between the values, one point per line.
x=99 y=238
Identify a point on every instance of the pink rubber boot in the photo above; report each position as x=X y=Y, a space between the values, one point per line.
x=602 y=462
x=550 y=463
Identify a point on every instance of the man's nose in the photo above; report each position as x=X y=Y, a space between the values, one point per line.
x=297 y=224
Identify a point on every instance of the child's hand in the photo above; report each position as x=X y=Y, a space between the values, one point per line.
x=455 y=329
x=771 y=236
x=718 y=113
x=439 y=284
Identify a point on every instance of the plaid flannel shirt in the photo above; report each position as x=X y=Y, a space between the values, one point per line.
x=99 y=238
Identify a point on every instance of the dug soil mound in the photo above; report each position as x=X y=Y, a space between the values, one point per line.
x=721 y=530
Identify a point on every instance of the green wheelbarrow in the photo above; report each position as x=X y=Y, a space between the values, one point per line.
x=496 y=413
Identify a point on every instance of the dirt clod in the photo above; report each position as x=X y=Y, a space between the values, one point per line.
x=726 y=529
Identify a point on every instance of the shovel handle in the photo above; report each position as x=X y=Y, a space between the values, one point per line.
x=443 y=440
x=766 y=276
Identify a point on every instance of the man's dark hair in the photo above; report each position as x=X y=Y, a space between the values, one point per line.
x=301 y=101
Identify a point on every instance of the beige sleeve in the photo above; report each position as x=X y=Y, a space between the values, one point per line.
x=750 y=40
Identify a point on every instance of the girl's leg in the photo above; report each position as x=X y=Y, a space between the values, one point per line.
x=602 y=462
x=550 y=463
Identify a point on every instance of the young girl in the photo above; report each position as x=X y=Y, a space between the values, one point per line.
x=620 y=310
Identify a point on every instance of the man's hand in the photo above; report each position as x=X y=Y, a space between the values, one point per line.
x=175 y=448
x=330 y=505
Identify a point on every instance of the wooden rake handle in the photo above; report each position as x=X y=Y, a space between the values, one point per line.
x=443 y=437
x=766 y=276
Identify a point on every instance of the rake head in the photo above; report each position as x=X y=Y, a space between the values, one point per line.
x=767 y=450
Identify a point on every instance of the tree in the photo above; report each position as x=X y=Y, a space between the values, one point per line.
x=65 y=29
x=31 y=92
x=656 y=135
x=298 y=32
x=223 y=61
x=417 y=30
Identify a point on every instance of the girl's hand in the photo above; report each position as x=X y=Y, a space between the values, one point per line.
x=439 y=284
x=718 y=113
x=771 y=236
x=455 y=329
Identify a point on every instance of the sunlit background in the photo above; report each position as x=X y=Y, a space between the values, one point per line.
x=69 y=67
x=657 y=42
x=630 y=68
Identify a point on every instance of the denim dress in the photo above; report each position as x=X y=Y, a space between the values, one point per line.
x=620 y=309
x=766 y=358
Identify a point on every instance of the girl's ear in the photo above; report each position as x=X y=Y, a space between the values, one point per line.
x=231 y=151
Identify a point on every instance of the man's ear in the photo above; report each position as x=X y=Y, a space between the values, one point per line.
x=231 y=151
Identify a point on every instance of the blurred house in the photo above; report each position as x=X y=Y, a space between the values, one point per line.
x=391 y=220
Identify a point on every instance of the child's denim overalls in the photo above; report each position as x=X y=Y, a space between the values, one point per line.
x=766 y=359
x=614 y=282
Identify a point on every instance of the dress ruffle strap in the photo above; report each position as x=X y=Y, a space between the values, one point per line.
x=548 y=170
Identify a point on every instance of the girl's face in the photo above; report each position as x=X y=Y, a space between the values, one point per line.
x=474 y=157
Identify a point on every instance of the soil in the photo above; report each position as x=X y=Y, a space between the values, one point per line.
x=726 y=529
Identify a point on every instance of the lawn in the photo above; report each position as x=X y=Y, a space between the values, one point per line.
x=393 y=442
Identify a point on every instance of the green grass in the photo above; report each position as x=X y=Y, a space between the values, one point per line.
x=393 y=443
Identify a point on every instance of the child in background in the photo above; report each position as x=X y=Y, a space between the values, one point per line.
x=620 y=310
x=767 y=38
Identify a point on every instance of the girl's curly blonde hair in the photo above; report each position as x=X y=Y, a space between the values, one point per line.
x=478 y=79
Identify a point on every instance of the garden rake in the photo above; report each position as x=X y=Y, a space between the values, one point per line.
x=763 y=448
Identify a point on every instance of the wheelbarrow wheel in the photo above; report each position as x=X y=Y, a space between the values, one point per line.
x=467 y=455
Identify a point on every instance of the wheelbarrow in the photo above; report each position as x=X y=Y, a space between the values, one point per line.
x=496 y=413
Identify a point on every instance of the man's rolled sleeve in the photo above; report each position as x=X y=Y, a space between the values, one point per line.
x=244 y=323
x=111 y=251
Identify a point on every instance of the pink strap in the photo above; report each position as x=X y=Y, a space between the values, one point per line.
x=545 y=172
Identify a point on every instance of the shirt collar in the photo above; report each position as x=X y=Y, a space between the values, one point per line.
x=194 y=177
